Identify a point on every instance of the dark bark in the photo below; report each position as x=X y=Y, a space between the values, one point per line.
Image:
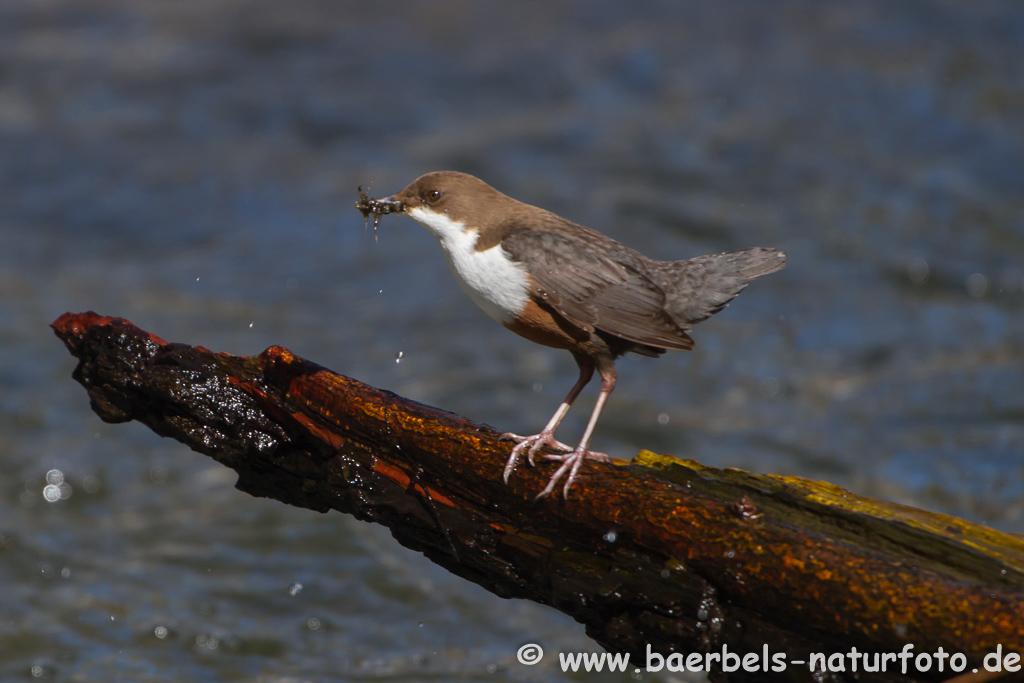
x=655 y=551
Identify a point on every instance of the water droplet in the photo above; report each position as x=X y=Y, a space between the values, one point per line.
x=398 y=356
x=250 y=326
x=611 y=536
x=537 y=387
x=65 y=572
x=55 y=477
x=160 y=632
x=917 y=271
x=769 y=387
x=977 y=285
x=295 y=589
x=663 y=418
x=209 y=642
x=313 y=624
x=51 y=493
x=91 y=484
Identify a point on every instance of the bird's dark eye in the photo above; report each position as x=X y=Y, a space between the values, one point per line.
x=433 y=196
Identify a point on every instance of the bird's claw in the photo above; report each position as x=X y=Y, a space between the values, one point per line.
x=532 y=444
x=590 y=455
x=572 y=459
x=571 y=463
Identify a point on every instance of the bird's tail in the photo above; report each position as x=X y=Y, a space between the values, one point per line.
x=698 y=288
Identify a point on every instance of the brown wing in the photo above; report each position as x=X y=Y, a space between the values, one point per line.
x=597 y=283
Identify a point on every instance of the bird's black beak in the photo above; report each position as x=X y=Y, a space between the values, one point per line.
x=386 y=205
x=378 y=207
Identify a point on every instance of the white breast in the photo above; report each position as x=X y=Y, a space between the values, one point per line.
x=495 y=283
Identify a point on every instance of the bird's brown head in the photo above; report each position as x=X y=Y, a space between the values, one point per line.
x=459 y=196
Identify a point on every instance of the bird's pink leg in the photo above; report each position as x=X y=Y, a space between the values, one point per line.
x=531 y=444
x=572 y=462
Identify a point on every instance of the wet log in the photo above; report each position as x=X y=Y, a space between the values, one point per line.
x=652 y=555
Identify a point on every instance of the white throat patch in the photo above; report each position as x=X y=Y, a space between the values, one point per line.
x=495 y=283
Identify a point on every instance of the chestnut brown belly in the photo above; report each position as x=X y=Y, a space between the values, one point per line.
x=541 y=325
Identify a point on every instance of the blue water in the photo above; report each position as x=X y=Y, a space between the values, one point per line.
x=192 y=166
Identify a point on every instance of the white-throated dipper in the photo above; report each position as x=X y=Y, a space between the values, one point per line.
x=569 y=287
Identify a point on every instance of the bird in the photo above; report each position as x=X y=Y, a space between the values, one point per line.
x=566 y=286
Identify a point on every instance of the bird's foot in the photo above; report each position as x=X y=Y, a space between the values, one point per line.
x=591 y=455
x=571 y=463
x=531 y=444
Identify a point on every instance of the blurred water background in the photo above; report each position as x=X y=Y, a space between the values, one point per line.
x=191 y=165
